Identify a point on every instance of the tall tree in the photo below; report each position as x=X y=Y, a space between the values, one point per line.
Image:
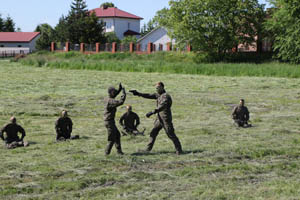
x=47 y=34
x=9 y=25
x=80 y=25
x=284 y=24
x=152 y=24
x=214 y=26
x=1 y=24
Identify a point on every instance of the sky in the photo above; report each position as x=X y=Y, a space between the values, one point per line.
x=30 y=13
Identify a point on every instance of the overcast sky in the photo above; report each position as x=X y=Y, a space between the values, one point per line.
x=29 y=13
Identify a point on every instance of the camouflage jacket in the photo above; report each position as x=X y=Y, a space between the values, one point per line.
x=12 y=131
x=240 y=113
x=110 y=108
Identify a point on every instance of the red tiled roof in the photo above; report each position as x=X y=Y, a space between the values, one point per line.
x=113 y=12
x=18 y=36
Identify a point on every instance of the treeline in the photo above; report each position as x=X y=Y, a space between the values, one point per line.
x=217 y=26
x=79 y=26
x=7 y=24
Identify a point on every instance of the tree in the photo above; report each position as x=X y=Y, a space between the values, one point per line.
x=151 y=25
x=111 y=37
x=284 y=25
x=107 y=5
x=213 y=26
x=9 y=25
x=46 y=36
x=80 y=26
x=1 y=24
x=128 y=39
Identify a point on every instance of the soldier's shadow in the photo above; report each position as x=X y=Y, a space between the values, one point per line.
x=144 y=153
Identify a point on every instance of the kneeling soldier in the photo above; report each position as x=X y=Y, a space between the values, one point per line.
x=240 y=114
x=130 y=121
x=63 y=127
x=12 y=139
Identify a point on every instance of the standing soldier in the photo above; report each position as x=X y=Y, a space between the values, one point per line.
x=130 y=121
x=63 y=127
x=240 y=114
x=114 y=136
x=164 y=116
x=12 y=139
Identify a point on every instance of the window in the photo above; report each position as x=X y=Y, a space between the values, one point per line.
x=128 y=26
x=19 y=45
x=1 y=45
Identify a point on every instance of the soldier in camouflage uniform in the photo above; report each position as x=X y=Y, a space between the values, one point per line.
x=111 y=104
x=63 y=127
x=240 y=114
x=164 y=116
x=12 y=139
x=130 y=121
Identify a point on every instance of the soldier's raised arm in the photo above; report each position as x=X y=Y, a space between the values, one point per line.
x=116 y=103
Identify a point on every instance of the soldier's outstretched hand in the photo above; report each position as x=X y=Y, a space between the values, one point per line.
x=134 y=92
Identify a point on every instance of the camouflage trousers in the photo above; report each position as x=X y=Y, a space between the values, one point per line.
x=240 y=123
x=169 y=129
x=114 y=137
x=128 y=131
x=65 y=136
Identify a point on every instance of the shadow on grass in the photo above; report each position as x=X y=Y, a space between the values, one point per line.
x=146 y=153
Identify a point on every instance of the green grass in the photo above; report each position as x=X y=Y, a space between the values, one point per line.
x=162 y=62
x=221 y=161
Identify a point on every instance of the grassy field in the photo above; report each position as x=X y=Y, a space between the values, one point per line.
x=220 y=161
x=161 y=62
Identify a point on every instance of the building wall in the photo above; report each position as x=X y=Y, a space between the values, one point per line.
x=30 y=45
x=158 y=36
x=121 y=25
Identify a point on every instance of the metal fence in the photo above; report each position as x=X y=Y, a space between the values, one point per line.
x=12 y=52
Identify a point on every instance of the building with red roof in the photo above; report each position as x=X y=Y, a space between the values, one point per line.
x=119 y=21
x=25 y=40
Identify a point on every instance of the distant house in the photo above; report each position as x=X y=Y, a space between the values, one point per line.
x=18 y=40
x=157 y=36
x=119 y=21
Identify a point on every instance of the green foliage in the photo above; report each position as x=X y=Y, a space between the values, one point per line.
x=80 y=26
x=166 y=62
x=111 y=37
x=285 y=28
x=107 y=5
x=151 y=25
x=128 y=39
x=213 y=26
x=46 y=37
x=7 y=25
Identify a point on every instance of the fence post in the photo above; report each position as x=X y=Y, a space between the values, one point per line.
x=169 y=46
x=67 y=46
x=97 y=47
x=113 y=49
x=82 y=47
x=131 y=47
x=150 y=47
x=52 y=46
x=189 y=48
x=138 y=47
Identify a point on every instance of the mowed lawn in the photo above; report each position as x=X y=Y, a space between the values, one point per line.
x=220 y=160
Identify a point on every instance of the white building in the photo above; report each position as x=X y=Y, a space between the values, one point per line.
x=119 y=21
x=18 y=40
x=157 y=36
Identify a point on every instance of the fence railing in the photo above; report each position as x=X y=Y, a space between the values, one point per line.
x=12 y=52
x=114 y=47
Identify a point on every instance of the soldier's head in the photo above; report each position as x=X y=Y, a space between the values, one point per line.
x=160 y=87
x=128 y=108
x=13 y=120
x=242 y=102
x=112 y=92
x=64 y=113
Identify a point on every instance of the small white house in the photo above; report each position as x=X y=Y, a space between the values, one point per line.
x=157 y=36
x=119 y=21
x=21 y=40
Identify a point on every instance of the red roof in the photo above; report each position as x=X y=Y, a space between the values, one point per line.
x=18 y=36
x=113 y=12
